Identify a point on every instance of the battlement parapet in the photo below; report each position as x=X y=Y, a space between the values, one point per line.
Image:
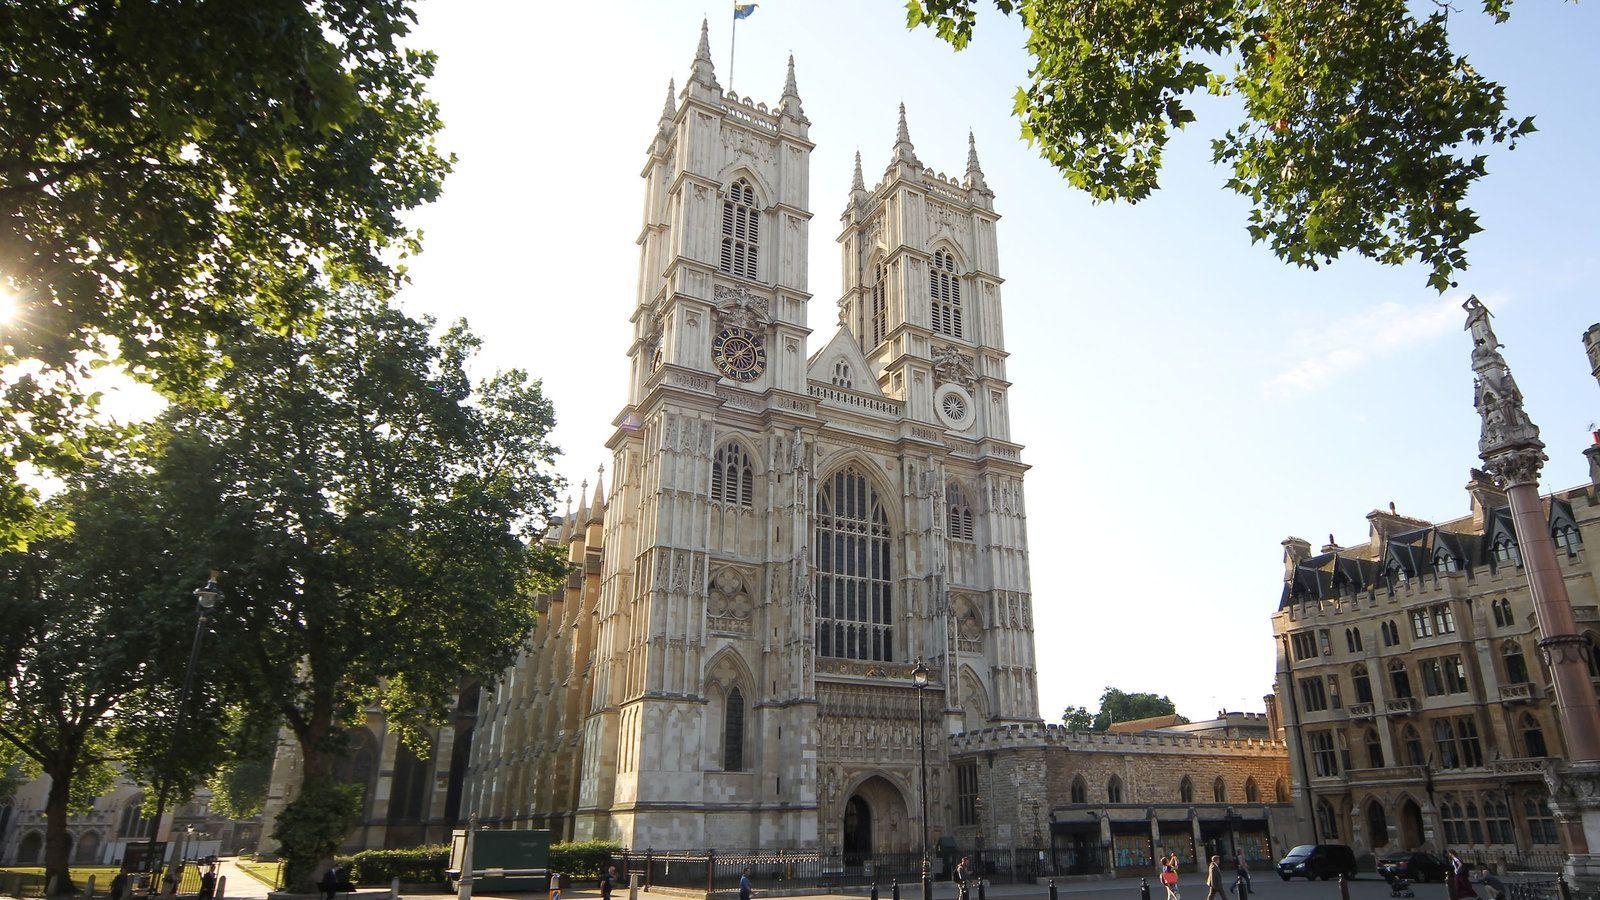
x=1035 y=735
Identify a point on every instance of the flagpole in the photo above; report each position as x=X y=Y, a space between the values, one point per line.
x=732 y=42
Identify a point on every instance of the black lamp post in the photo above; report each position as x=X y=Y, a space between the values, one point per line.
x=205 y=600
x=919 y=675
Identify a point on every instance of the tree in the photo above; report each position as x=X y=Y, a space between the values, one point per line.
x=1359 y=128
x=378 y=516
x=1117 y=705
x=96 y=633
x=1077 y=718
x=169 y=171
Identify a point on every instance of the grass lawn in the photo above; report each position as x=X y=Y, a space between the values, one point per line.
x=264 y=872
x=34 y=876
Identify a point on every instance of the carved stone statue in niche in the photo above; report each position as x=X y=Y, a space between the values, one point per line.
x=951 y=366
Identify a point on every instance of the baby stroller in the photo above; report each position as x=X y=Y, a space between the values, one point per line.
x=1400 y=887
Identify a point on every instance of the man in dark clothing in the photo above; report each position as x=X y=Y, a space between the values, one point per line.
x=608 y=880
x=119 y=886
x=208 y=884
x=329 y=883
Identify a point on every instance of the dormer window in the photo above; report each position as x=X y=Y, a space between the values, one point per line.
x=1446 y=562
x=741 y=231
x=1568 y=539
x=944 y=286
x=1505 y=551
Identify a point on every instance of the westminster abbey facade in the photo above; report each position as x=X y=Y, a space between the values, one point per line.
x=787 y=528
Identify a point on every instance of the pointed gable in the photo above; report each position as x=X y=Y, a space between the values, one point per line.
x=824 y=366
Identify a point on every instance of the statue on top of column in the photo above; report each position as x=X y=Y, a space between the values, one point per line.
x=1509 y=442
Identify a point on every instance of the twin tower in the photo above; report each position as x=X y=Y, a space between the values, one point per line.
x=787 y=534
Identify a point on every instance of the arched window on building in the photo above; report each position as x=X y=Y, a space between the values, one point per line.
x=1080 y=790
x=1352 y=639
x=1445 y=561
x=855 y=594
x=1374 y=749
x=842 y=376
x=1567 y=538
x=1516 y=665
x=1505 y=551
x=1502 y=613
x=87 y=850
x=1280 y=791
x=1450 y=816
x=878 y=316
x=733 y=480
x=1412 y=741
x=1185 y=790
x=1391 y=633
x=1497 y=819
x=733 y=732
x=944 y=286
x=1474 y=823
x=1219 y=790
x=1399 y=678
x=134 y=823
x=1114 y=790
x=1532 y=737
x=1361 y=683
x=1541 y=822
x=1327 y=821
x=960 y=523
x=741 y=231
x=408 y=790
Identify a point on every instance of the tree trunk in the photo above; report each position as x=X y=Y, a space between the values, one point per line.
x=57 y=843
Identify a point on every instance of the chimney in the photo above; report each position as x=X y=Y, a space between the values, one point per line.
x=1295 y=550
x=1485 y=494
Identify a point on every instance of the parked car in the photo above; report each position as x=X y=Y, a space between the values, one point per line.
x=1315 y=861
x=1412 y=866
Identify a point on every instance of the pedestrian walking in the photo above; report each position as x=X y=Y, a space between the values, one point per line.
x=1214 y=876
x=744 y=884
x=962 y=875
x=608 y=880
x=329 y=883
x=1169 y=876
x=208 y=884
x=119 y=886
x=1241 y=873
x=1460 y=881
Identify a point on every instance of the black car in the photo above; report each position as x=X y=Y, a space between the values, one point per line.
x=1315 y=861
x=1411 y=866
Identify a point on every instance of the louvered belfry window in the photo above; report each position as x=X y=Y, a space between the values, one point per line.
x=945 y=288
x=854 y=586
x=741 y=231
x=960 y=523
x=733 y=479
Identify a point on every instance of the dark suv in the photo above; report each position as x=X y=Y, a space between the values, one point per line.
x=1314 y=861
x=1412 y=866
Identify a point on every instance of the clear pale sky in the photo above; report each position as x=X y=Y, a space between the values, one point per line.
x=1186 y=400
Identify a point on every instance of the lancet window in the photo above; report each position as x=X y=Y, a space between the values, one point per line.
x=741 y=230
x=944 y=285
x=733 y=732
x=733 y=477
x=960 y=525
x=878 y=325
x=855 y=593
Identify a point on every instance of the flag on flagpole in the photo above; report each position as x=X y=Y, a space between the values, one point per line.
x=743 y=10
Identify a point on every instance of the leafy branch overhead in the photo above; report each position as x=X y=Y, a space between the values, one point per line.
x=1361 y=131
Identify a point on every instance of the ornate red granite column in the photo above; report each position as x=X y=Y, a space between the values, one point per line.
x=1512 y=451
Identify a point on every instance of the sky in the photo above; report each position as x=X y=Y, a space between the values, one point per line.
x=1185 y=399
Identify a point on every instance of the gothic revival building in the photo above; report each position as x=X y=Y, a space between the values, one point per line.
x=785 y=532
x=1418 y=709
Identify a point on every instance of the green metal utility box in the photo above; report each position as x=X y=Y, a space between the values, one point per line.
x=499 y=851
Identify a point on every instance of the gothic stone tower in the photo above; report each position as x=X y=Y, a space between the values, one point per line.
x=785 y=535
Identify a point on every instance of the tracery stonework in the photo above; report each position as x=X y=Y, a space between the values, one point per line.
x=772 y=612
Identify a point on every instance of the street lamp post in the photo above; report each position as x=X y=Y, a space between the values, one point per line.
x=919 y=675
x=205 y=600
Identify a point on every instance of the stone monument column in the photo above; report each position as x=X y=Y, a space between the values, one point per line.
x=1512 y=451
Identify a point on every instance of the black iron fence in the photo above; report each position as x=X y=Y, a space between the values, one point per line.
x=1516 y=860
x=718 y=870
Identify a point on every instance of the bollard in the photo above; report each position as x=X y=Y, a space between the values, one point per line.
x=1053 y=889
x=1144 y=889
x=222 y=887
x=1344 y=887
x=394 y=889
x=927 y=887
x=894 y=887
x=1242 y=887
x=633 y=886
x=874 y=890
x=88 y=888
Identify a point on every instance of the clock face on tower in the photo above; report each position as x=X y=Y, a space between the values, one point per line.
x=738 y=353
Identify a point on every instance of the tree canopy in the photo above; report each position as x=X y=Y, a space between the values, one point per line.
x=1360 y=122
x=169 y=171
x=378 y=515
x=1117 y=705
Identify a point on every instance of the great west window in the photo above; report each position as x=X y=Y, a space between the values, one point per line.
x=854 y=587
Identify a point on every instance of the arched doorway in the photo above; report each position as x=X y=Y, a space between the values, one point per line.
x=857 y=831
x=88 y=849
x=1410 y=824
x=1377 y=825
x=31 y=849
